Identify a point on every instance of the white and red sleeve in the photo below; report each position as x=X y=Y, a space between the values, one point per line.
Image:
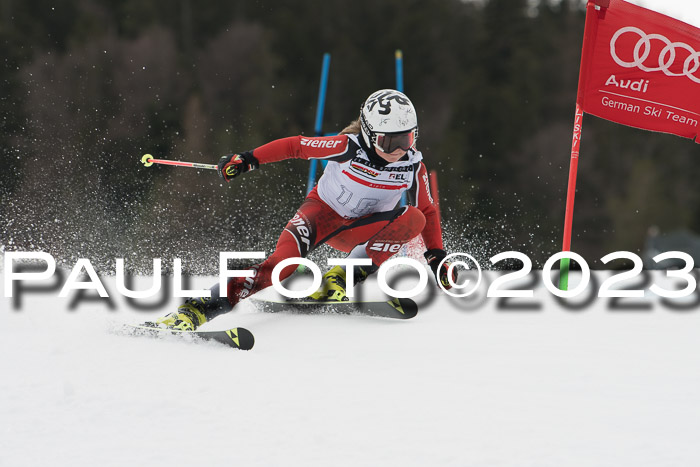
x=303 y=147
x=432 y=233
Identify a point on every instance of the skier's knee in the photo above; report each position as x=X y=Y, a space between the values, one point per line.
x=415 y=218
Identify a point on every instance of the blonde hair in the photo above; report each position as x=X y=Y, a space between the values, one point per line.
x=352 y=128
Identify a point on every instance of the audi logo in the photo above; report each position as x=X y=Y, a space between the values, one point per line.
x=667 y=56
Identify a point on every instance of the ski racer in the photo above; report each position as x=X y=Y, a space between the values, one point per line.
x=353 y=208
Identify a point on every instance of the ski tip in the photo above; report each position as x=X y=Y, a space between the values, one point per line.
x=242 y=338
x=407 y=307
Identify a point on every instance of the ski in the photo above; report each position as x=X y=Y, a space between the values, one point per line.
x=237 y=338
x=397 y=308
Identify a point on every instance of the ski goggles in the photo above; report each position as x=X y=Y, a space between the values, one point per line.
x=390 y=142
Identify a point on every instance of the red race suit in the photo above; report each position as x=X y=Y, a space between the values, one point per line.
x=354 y=203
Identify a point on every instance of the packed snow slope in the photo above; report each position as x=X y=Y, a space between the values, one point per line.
x=468 y=382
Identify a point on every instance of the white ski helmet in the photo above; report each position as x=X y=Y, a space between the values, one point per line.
x=388 y=121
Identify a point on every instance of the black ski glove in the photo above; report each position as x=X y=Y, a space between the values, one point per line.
x=232 y=165
x=434 y=257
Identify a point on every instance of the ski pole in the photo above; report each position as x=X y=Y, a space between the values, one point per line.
x=148 y=161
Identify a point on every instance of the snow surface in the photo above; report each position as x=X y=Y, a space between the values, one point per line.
x=465 y=383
